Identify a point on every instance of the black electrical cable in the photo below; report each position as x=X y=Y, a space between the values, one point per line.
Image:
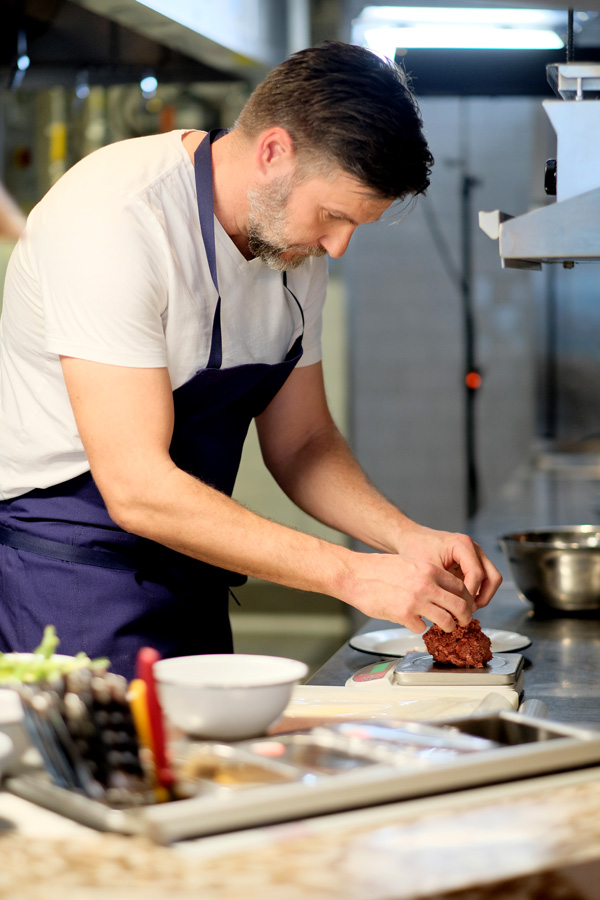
x=441 y=245
x=461 y=279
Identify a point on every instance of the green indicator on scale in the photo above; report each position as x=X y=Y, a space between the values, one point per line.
x=379 y=667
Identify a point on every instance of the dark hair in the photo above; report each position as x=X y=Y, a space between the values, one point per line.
x=344 y=104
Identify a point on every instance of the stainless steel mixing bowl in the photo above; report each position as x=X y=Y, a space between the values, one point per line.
x=556 y=568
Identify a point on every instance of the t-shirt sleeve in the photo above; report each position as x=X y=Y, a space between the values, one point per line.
x=312 y=306
x=101 y=265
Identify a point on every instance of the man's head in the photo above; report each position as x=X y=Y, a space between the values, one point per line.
x=292 y=217
x=345 y=109
x=268 y=224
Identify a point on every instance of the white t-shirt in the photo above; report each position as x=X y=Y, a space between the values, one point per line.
x=111 y=267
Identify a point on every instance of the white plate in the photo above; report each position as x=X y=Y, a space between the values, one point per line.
x=400 y=641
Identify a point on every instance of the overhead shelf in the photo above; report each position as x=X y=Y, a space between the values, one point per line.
x=566 y=231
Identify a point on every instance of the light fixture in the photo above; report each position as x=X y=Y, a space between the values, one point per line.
x=23 y=61
x=386 y=28
x=82 y=84
x=148 y=86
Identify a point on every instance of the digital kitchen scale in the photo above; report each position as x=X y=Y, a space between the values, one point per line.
x=503 y=673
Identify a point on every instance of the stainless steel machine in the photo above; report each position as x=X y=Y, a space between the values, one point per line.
x=567 y=230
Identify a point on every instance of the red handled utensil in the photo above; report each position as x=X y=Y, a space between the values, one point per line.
x=146 y=658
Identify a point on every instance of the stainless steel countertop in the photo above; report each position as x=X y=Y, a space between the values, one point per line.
x=562 y=665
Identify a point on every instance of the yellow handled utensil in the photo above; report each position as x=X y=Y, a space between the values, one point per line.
x=138 y=702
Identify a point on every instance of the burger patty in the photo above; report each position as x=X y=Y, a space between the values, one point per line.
x=466 y=646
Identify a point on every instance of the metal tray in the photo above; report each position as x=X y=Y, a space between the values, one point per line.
x=520 y=747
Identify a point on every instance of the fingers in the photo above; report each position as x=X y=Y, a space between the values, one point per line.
x=431 y=594
x=408 y=590
x=481 y=577
x=466 y=554
x=484 y=588
x=457 y=554
x=434 y=594
x=414 y=623
x=481 y=580
x=451 y=613
x=436 y=614
x=489 y=586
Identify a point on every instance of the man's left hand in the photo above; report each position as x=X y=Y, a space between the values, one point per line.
x=457 y=553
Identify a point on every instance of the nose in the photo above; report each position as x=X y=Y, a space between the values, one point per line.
x=336 y=243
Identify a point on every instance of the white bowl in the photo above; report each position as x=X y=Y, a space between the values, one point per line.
x=12 y=724
x=226 y=696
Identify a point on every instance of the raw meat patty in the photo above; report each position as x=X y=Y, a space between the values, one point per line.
x=466 y=646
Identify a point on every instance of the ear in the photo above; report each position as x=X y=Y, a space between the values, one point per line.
x=275 y=154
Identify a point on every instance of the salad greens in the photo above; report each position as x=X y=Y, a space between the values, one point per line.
x=42 y=664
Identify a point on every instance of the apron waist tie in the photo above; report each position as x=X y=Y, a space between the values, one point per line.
x=107 y=559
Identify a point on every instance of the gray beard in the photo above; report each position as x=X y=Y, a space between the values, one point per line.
x=271 y=253
x=267 y=222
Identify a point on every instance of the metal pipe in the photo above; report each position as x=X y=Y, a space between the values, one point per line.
x=570 y=54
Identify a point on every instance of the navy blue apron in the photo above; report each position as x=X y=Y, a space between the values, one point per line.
x=63 y=561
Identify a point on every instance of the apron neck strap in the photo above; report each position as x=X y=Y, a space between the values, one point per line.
x=204 y=194
x=298 y=304
x=206 y=215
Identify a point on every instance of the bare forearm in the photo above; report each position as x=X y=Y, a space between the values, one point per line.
x=325 y=480
x=194 y=519
x=183 y=513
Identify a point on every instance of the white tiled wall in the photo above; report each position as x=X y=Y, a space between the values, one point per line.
x=407 y=397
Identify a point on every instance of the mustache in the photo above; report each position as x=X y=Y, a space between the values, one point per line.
x=256 y=240
x=272 y=254
x=314 y=250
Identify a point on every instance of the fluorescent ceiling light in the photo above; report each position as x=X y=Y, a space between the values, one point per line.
x=460 y=15
x=386 y=40
x=386 y=28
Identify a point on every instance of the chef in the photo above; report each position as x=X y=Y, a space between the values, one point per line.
x=165 y=292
